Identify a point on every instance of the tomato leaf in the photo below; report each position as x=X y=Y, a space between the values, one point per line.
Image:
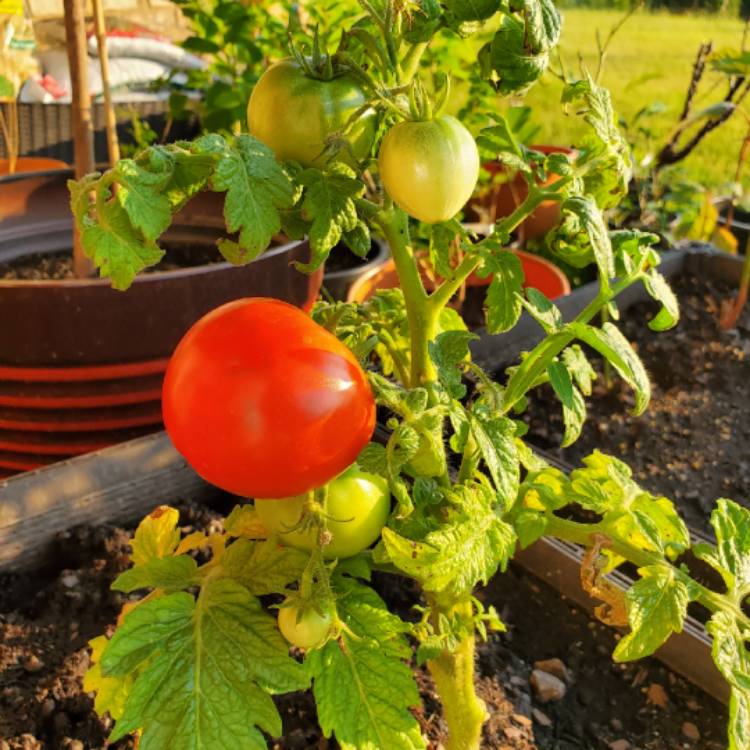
x=263 y=567
x=579 y=368
x=508 y=60
x=605 y=152
x=111 y=692
x=731 y=656
x=116 y=247
x=543 y=310
x=448 y=351
x=657 y=607
x=496 y=440
x=256 y=186
x=591 y=222
x=157 y=535
x=504 y=300
x=243 y=521
x=658 y=287
x=140 y=193
x=731 y=555
x=204 y=668
x=329 y=204
x=362 y=685
x=574 y=408
x=616 y=349
x=466 y=549
x=171 y=573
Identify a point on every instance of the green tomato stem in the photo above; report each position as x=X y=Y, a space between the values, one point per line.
x=453 y=672
x=422 y=318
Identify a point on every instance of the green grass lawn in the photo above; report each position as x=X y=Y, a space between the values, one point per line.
x=649 y=60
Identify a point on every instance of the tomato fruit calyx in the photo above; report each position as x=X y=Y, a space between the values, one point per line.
x=354 y=509
x=304 y=626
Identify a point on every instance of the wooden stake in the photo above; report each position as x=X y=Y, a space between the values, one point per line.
x=113 y=145
x=83 y=133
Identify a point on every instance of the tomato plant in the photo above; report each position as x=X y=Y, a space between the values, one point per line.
x=355 y=509
x=269 y=403
x=253 y=393
x=303 y=628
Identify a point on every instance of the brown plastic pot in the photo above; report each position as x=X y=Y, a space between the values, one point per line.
x=539 y=273
x=501 y=199
x=78 y=357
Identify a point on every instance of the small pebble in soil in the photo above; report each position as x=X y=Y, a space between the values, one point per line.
x=33 y=664
x=690 y=731
x=541 y=718
x=619 y=745
x=547 y=687
x=555 y=667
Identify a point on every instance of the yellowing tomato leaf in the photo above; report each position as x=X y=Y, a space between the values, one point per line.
x=731 y=656
x=466 y=549
x=111 y=692
x=244 y=521
x=157 y=535
x=657 y=607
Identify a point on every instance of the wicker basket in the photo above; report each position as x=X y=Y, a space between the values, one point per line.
x=46 y=129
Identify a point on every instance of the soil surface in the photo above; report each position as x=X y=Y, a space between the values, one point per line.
x=58 y=266
x=46 y=620
x=693 y=442
x=343 y=259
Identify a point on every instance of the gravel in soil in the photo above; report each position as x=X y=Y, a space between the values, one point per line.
x=693 y=442
x=47 y=619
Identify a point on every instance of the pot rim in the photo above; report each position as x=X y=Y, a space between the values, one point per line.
x=380 y=258
x=146 y=278
x=366 y=278
x=64 y=170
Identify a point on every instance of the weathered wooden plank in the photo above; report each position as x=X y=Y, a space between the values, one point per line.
x=117 y=484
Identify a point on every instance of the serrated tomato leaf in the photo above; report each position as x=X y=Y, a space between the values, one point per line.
x=205 y=670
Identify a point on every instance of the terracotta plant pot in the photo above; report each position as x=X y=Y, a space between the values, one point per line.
x=502 y=199
x=81 y=365
x=538 y=273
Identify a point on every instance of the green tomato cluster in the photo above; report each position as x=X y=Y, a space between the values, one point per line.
x=429 y=167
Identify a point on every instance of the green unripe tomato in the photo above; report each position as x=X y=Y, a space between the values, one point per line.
x=293 y=114
x=357 y=508
x=306 y=630
x=429 y=168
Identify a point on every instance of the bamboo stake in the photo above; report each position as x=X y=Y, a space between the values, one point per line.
x=113 y=145
x=83 y=135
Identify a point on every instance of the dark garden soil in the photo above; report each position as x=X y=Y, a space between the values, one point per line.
x=58 y=266
x=693 y=442
x=343 y=259
x=47 y=620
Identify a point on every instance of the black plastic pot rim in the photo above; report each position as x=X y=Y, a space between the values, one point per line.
x=382 y=255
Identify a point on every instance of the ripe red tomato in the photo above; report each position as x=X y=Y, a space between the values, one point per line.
x=264 y=402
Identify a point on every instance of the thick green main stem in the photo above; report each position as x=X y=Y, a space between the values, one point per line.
x=453 y=672
x=422 y=317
